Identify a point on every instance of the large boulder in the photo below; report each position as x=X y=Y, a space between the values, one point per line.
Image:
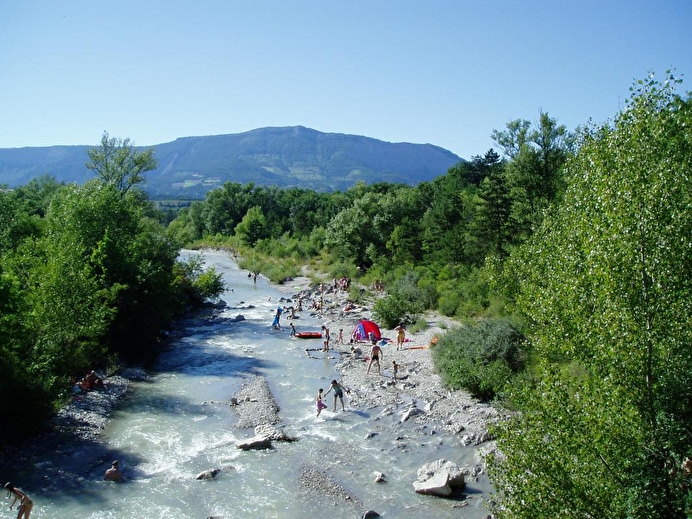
x=273 y=433
x=439 y=478
x=257 y=442
x=208 y=474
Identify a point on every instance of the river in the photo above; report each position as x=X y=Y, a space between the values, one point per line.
x=178 y=423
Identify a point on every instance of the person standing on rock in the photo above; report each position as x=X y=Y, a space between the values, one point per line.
x=395 y=370
x=400 y=336
x=375 y=354
x=338 y=393
x=25 y=502
x=325 y=338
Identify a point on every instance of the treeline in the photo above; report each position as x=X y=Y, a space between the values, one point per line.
x=422 y=236
x=568 y=260
x=88 y=279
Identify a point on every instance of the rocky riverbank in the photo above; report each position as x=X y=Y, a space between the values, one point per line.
x=72 y=438
x=458 y=411
x=418 y=395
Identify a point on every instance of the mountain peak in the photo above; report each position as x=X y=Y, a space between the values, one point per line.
x=290 y=156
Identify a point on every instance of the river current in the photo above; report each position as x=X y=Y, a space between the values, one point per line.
x=178 y=423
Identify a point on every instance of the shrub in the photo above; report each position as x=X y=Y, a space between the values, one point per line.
x=420 y=325
x=480 y=358
x=448 y=303
x=395 y=308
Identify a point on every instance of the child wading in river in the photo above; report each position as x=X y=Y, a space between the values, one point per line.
x=320 y=405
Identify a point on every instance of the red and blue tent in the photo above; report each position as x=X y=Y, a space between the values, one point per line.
x=362 y=331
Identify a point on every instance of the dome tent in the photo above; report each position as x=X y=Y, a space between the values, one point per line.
x=362 y=330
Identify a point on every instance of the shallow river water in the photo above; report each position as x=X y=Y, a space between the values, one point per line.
x=178 y=423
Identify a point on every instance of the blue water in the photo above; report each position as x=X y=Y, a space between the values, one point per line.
x=178 y=424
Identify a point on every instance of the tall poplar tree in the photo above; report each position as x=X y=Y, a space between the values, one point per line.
x=607 y=286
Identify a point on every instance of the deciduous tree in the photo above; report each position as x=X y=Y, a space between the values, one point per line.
x=606 y=284
x=118 y=163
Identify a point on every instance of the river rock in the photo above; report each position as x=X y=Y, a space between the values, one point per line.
x=208 y=474
x=316 y=480
x=258 y=442
x=370 y=514
x=439 y=478
x=273 y=433
x=409 y=412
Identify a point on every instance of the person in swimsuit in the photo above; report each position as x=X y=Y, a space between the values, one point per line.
x=325 y=335
x=375 y=354
x=320 y=404
x=113 y=473
x=25 y=502
x=400 y=336
x=395 y=369
x=338 y=393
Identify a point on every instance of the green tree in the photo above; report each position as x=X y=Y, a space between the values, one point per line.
x=494 y=225
x=118 y=163
x=253 y=226
x=535 y=169
x=351 y=232
x=606 y=285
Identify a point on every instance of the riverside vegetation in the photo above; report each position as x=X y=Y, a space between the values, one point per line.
x=566 y=261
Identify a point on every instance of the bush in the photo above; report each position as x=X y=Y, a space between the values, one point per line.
x=481 y=358
x=418 y=326
x=395 y=308
x=448 y=303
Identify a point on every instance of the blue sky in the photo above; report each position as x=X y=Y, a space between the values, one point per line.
x=427 y=71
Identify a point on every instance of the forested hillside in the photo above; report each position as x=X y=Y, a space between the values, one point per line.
x=189 y=167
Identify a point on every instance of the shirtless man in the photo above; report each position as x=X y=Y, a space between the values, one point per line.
x=92 y=381
x=375 y=354
x=113 y=473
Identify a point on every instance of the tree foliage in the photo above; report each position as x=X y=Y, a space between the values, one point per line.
x=87 y=274
x=482 y=357
x=118 y=163
x=606 y=285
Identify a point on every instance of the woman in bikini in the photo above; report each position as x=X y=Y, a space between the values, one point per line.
x=25 y=502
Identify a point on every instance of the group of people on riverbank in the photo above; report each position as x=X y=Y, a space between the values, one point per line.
x=376 y=354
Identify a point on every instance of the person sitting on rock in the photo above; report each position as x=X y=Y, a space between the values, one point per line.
x=92 y=381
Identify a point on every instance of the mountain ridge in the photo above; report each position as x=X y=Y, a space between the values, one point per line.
x=293 y=156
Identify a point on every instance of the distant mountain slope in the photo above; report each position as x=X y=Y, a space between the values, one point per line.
x=284 y=157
